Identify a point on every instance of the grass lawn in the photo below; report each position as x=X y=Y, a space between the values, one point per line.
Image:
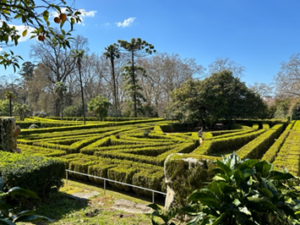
x=65 y=209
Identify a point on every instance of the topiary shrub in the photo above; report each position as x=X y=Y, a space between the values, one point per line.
x=295 y=111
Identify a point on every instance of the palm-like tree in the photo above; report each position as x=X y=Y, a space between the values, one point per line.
x=21 y=110
x=112 y=52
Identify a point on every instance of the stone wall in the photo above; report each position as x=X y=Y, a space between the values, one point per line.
x=8 y=134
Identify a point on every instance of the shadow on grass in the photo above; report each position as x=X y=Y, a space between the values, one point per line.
x=159 y=199
x=60 y=204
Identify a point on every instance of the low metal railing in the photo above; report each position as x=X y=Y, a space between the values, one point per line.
x=105 y=179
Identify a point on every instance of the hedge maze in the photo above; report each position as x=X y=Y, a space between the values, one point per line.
x=134 y=151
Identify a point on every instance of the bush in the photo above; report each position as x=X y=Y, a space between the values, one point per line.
x=36 y=173
x=73 y=110
x=295 y=111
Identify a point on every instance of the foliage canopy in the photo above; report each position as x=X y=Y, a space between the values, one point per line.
x=220 y=96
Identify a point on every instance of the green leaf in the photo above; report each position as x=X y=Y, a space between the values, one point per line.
x=215 y=188
x=221 y=177
x=22 y=192
x=220 y=219
x=245 y=210
x=276 y=175
x=238 y=176
x=264 y=168
x=225 y=168
x=24 y=33
x=265 y=192
x=206 y=197
x=249 y=163
x=1 y=184
x=4 y=221
x=259 y=202
x=32 y=218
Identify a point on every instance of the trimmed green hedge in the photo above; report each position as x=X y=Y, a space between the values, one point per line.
x=36 y=173
x=257 y=147
x=225 y=144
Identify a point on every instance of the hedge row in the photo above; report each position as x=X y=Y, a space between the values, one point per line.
x=225 y=144
x=97 y=118
x=40 y=151
x=157 y=160
x=296 y=126
x=72 y=133
x=289 y=155
x=135 y=173
x=39 y=174
x=257 y=147
x=104 y=124
x=272 y=152
x=90 y=150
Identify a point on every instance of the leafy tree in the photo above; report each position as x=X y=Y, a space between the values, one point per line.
x=242 y=192
x=74 y=110
x=112 y=52
x=220 y=96
x=22 y=110
x=35 y=16
x=4 y=107
x=136 y=47
x=60 y=88
x=99 y=105
x=282 y=108
x=26 y=70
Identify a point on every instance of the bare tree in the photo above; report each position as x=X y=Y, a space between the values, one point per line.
x=288 y=78
x=165 y=73
x=221 y=64
x=264 y=90
x=58 y=61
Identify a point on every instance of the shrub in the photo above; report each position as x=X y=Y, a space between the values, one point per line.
x=295 y=111
x=36 y=173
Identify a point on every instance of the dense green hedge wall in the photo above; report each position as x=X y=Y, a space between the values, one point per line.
x=36 y=173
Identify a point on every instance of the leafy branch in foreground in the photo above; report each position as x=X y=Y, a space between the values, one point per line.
x=35 y=18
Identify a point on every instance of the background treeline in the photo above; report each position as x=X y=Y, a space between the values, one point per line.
x=49 y=84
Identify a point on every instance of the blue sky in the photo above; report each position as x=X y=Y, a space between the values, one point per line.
x=258 y=34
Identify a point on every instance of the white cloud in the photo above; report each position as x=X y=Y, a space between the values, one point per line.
x=107 y=24
x=126 y=23
x=83 y=14
x=20 y=29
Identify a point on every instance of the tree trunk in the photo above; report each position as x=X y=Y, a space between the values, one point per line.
x=10 y=111
x=133 y=83
x=114 y=83
x=82 y=98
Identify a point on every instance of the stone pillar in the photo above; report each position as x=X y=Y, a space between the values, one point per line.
x=8 y=134
x=185 y=173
